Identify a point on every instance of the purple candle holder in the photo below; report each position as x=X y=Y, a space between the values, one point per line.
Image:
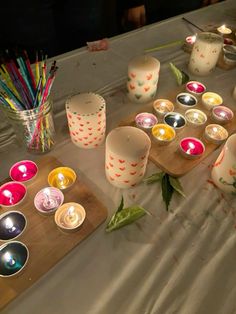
x=12 y=225
x=23 y=171
x=48 y=200
x=222 y=114
x=12 y=194
x=145 y=121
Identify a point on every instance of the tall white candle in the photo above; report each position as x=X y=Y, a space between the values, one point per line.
x=143 y=76
x=127 y=150
x=205 y=53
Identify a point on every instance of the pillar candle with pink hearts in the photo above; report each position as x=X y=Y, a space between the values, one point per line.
x=143 y=76
x=86 y=115
x=127 y=150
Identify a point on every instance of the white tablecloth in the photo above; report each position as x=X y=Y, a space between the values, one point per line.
x=176 y=262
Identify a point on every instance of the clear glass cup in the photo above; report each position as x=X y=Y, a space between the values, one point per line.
x=34 y=127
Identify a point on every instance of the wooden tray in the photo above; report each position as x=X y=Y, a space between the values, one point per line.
x=168 y=157
x=46 y=243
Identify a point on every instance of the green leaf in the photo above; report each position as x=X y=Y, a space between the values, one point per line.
x=180 y=75
x=124 y=217
x=155 y=177
x=176 y=185
x=167 y=190
x=121 y=206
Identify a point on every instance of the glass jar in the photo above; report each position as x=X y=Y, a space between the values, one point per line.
x=34 y=127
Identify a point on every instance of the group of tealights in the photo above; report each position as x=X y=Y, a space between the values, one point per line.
x=164 y=133
x=68 y=217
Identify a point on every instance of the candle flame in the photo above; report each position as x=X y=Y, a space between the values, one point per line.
x=71 y=211
x=222 y=114
x=215 y=129
x=61 y=177
x=191 y=147
x=7 y=193
x=162 y=131
x=9 y=259
x=47 y=191
x=195 y=86
x=22 y=168
x=187 y=98
x=9 y=223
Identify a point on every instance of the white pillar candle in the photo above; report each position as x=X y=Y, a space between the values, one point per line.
x=205 y=53
x=86 y=114
x=127 y=150
x=143 y=75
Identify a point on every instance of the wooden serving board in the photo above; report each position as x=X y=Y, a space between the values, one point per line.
x=46 y=243
x=168 y=157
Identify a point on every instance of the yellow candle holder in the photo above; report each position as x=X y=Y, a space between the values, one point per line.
x=163 y=134
x=69 y=217
x=62 y=178
x=210 y=100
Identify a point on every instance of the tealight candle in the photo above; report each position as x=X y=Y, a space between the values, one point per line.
x=23 y=171
x=70 y=216
x=215 y=133
x=223 y=30
x=145 y=121
x=210 y=100
x=12 y=194
x=175 y=120
x=191 y=147
x=195 y=117
x=162 y=106
x=62 y=178
x=48 y=200
x=13 y=258
x=222 y=114
x=163 y=134
x=186 y=100
x=190 y=39
x=195 y=88
x=230 y=59
x=12 y=225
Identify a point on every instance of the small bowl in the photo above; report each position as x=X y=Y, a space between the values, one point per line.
x=195 y=117
x=175 y=120
x=191 y=148
x=145 y=121
x=210 y=100
x=230 y=59
x=186 y=100
x=62 y=178
x=215 y=133
x=23 y=171
x=14 y=256
x=195 y=88
x=48 y=200
x=12 y=225
x=12 y=193
x=163 y=134
x=162 y=107
x=222 y=114
x=70 y=221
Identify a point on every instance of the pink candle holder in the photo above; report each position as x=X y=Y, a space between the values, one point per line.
x=48 y=200
x=145 y=121
x=222 y=114
x=12 y=194
x=23 y=171
x=191 y=148
x=195 y=88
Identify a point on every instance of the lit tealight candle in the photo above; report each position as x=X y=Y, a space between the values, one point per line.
x=191 y=147
x=12 y=194
x=62 y=178
x=210 y=100
x=215 y=133
x=195 y=88
x=70 y=216
x=162 y=106
x=163 y=134
x=195 y=117
x=145 y=121
x=175 y=120
x=12 y=224
x=23 y=171
x=222 y=114
x=223 y=30
x=13 y=258
x=186 y=100
x=48 y=200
